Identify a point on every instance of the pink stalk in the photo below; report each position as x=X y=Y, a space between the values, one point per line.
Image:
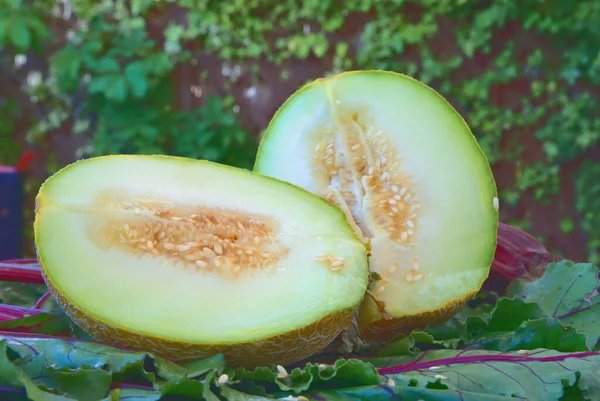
x=460 y=359
x=20 y=272
x=40 y=302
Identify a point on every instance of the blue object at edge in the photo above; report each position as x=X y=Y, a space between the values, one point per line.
x=11 y=215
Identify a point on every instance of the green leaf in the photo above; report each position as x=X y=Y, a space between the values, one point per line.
x=67 y=63
x=568 y=292
x=567 y=225
x=19 y=34
x=86 y=370
x=100 y=84
x=343 y=372
x=134 y=394
x=63 y=352
x=84 y=383
x=108 y=65
x=9 y=374
x=404 y=393
x=46 y=323
x=534 y=334
x=409 y=345
x=535 y=375
x=38 y=27
x=487 y=320
x=136 y=76
x=235 y=395
x=18 y=294
x=117 y=89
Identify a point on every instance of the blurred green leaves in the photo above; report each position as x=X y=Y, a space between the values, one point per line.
x=112 y=80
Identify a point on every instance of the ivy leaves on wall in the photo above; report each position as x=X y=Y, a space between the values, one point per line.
x=112 y=79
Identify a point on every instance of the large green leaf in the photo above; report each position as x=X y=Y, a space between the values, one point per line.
x=568 y=292
x=86 y=370
x=533 y=375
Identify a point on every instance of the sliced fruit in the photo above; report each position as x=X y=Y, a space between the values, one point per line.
x=187 y=258
x=411 y=178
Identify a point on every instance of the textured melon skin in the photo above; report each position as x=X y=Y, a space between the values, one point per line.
x=382 y=329
x=283 y=349
x=373 y=324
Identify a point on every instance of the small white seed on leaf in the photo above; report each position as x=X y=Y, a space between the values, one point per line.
x=281 y=372
x=223 y=379
x=496 y=203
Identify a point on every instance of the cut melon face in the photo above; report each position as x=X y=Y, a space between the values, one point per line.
x=185 y=258
x=411 y=178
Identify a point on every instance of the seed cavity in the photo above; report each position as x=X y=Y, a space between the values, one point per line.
x=355 y=160
x=200 y=239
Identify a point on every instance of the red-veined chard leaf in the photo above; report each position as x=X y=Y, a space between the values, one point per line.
x=568 y=292
x=68 y=367
x=534 y=375
x=557 y=312
x=41 y=322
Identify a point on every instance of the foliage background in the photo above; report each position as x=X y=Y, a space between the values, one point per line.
x=201 y=78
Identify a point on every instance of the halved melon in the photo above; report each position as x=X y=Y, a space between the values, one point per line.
x=411 y=178
x=187 y=258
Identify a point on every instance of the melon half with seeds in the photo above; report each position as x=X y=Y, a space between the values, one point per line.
x=187 y=258
x=404 y=167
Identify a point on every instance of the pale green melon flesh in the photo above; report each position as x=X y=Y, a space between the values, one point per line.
x=149 y=295
x=453 y=234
